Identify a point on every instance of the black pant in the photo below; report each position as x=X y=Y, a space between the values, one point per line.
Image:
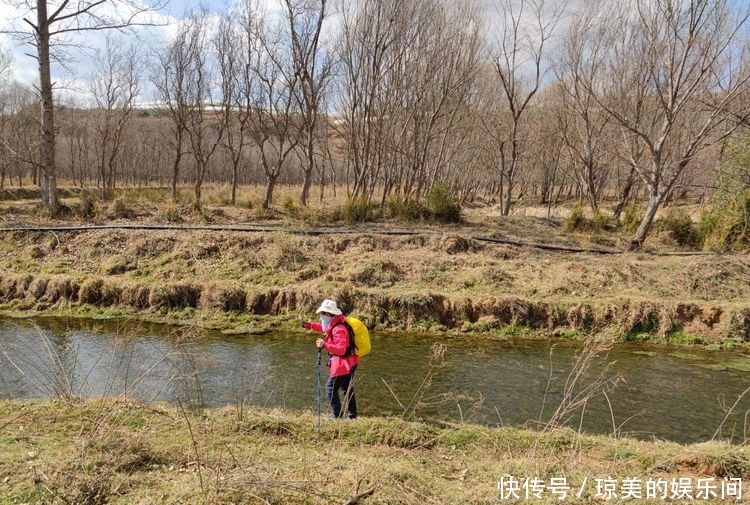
x=344 y=383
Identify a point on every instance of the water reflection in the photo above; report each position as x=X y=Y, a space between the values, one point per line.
x=484 y=381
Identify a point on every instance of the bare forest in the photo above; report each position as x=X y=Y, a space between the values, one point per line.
x=508 y=102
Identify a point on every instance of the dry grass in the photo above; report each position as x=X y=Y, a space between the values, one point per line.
x=527 y=221
x=465 y=267
x=434 y=280
x=101 y=451
x=439 y=279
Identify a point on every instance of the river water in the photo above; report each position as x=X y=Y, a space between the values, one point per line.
x=663 y=392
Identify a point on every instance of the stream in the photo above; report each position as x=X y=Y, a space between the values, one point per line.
x=679 y=394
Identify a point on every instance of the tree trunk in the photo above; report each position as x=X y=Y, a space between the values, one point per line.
x=235 y=176
x=310 y=154
x=269 y=191
x=624 y=195
x=198 y=187
x=593 y=203
x=501 y=190
x=49 y=182
x=648 y=219
x=42 y=179
x=175 y=175
x=103 y=173
x=508 y=196
x=333 y=183
x=305 y=194
x=322 y=182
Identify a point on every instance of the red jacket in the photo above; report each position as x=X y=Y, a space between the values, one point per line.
x=336 y=343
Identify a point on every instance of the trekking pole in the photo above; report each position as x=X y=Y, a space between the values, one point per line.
x=318 y=389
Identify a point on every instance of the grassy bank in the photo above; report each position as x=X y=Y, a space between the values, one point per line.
x=439 y=282
x=109 y=451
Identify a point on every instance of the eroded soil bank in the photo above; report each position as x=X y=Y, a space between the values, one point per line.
x=438 y=282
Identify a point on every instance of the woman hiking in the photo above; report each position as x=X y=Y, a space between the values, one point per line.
x=339 y=342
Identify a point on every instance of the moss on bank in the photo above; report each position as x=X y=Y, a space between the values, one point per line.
x=118 y=451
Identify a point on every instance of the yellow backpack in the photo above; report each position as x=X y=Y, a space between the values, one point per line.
x=361 y=336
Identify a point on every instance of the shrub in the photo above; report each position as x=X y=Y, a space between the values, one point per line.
x=577 y=221
x=306 y=213
x=442 y=205
x=397 y=207
x=725 y=223
x=87 y=206
x=725 y=226
x=680 y=227
x=600 y=221
x=291 y=207
x=170 y=213
x=631 y=217
x=358 y=210
x=201 y=213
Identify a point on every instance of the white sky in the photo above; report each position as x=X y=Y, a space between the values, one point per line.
x=71 y=79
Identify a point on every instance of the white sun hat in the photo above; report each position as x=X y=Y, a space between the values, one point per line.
x=330 y=307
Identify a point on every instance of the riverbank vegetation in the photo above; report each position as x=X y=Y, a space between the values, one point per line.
x=434 y=279
x=120 y=451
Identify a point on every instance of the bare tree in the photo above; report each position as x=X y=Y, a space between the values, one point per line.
x=19 y=139
x=583 y=124
x=371 y=40
x=675 y=78
x=48 y=22
x=114 y=88
x=548 y=173
x=205 y=123
x=525 y=29
x=644 y=95
x=440 y=81
x=271 y=87
x=236 y=84
x=625 y=186
x=313 y=69
x=170 y=77
x=76 y=131
x=6 y=112
x=409 y=72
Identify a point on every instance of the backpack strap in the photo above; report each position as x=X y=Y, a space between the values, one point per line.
x=352 y=347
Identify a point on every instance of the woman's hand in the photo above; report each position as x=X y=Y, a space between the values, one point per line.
x=320 y=343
